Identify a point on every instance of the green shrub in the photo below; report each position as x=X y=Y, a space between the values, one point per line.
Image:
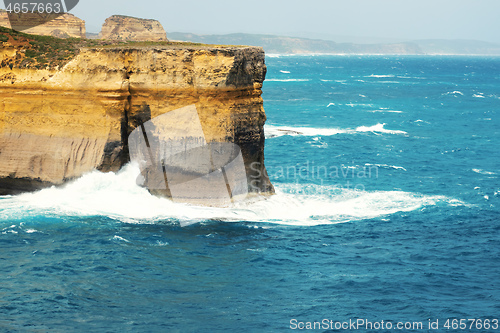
x=30 y=53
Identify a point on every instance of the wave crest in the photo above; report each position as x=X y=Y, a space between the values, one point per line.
x=273 y=131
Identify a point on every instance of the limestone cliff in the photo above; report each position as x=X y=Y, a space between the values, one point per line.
x=126 y=28
x=61 y=26
x=59 y=123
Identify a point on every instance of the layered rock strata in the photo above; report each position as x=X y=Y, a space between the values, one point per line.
x=57 y=124
x=126 y=28
x=57 y=25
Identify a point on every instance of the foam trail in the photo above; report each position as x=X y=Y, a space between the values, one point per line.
x=287 y=80
x=273 y=131
x=380 y=76
x=387 y=166
x=378 y=128
x=483 y=172
x=118 y=197
x=386 y=110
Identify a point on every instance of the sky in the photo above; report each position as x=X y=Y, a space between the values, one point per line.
x=397 y=20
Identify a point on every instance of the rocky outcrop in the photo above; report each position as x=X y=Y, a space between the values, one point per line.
x=61 y=26
x=126 y=28
x=57 y=124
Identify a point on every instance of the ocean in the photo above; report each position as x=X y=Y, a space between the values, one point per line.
x=386 y=218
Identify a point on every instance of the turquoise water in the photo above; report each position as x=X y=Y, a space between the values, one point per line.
x=387 y=208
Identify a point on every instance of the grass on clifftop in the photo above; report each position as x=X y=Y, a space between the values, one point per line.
x=42 y=52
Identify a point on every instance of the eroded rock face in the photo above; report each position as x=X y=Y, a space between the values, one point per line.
x=61 y=26
x=127 y=28
x=56 y=125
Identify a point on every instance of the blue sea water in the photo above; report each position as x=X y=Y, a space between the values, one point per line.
x=387 y=172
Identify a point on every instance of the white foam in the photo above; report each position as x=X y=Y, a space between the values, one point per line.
x=380 y=129
x=386 y=111
x=478 y=96
x=284 y=72
x=118 y=238
x=288 y=80
x=118 y=197
x=455 y=93
x=483 y=172
x=410 y=77
x=273 y=131
x=380 y=76
x=363 y=105
x=387 y=166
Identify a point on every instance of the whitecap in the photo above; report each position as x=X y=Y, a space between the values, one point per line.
x=386 y=111
x=288 y=80
x=387 y=166
x=276 y=131
x=284 y=72
x=483 y=172
x=363 y=105
x=118 y=238
x=272 y=131
x=478 y=96
x=379 y=128
x=455 y=93
x=380 y=76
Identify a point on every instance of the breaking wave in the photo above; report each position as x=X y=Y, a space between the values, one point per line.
x=116 y=195
x=273 y=131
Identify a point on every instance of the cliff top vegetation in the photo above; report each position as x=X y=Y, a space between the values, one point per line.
x=47 y=52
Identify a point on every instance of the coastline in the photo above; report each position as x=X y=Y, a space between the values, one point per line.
x=61 y=122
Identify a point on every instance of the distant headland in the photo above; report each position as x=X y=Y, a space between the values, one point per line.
x=127 y=28
x=273 y=44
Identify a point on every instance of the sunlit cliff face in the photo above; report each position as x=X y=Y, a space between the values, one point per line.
x=58 y=124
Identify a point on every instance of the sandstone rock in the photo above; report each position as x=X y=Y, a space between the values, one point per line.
x=57 y=124
x=128 y=28
x=62 y=26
